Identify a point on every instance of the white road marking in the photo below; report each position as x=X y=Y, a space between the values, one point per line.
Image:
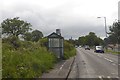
x=108 y=76
x=113 y=73
x=100 y=55
x=117 y=77
x=105 y=58
x=108 y=59
x=101 y=78
x=113 y=64
x=61 y=67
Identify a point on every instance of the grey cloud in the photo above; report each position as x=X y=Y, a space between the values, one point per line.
x=47 y=20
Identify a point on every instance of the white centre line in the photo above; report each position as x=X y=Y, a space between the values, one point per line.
x=61 y=67
x=101 y=78
x=108 y=76
x=108 y=59
x=113 y=64
x=117 y=77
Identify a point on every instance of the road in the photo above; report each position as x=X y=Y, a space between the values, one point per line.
x=87 y=64
x=60 y=70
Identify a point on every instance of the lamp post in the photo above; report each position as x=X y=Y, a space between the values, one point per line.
x=105 y=26
x=105 y=32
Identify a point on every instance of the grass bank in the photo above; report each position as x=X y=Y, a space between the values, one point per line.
x=30 y=60
x=26 y=59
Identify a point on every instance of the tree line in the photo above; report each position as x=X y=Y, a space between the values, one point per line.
x=91 y=40
x=17 y=27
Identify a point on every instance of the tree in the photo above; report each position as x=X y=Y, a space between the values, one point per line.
x=27 y=36
x=114 y=35
x=82 y=40
x=33 y=36
x=36 y=35
x=15 y=27
x=91 y=39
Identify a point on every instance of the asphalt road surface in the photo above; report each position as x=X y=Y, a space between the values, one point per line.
x=86 y=65
x=89 y=64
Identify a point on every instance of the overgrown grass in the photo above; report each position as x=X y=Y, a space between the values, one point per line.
x=25 y=59
x=30 y=60
x=69 y=50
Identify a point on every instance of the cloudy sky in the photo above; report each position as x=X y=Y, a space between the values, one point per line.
x=74 y=17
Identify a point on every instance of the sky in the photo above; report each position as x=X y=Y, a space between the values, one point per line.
x=119 y=10
x=75 y=18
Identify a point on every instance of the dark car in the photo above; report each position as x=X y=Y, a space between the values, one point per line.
x=87 y=48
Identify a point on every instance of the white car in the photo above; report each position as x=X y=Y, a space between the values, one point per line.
x=99 y=49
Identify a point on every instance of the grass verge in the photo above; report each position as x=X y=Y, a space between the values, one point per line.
x=111 y=51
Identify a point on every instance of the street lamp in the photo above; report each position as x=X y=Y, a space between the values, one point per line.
x=105 y=25
x=105 y=30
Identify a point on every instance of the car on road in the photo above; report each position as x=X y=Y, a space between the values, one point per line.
x=80 y=46
x=87 y=48
x=99 y=49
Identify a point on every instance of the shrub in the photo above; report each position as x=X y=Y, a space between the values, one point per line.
x=69 y=50
x=43 y=42
x=12 y=40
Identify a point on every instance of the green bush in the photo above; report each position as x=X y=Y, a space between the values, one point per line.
x=43 y=42
x=69 y=50
x=30 y=60
x=12 y=40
